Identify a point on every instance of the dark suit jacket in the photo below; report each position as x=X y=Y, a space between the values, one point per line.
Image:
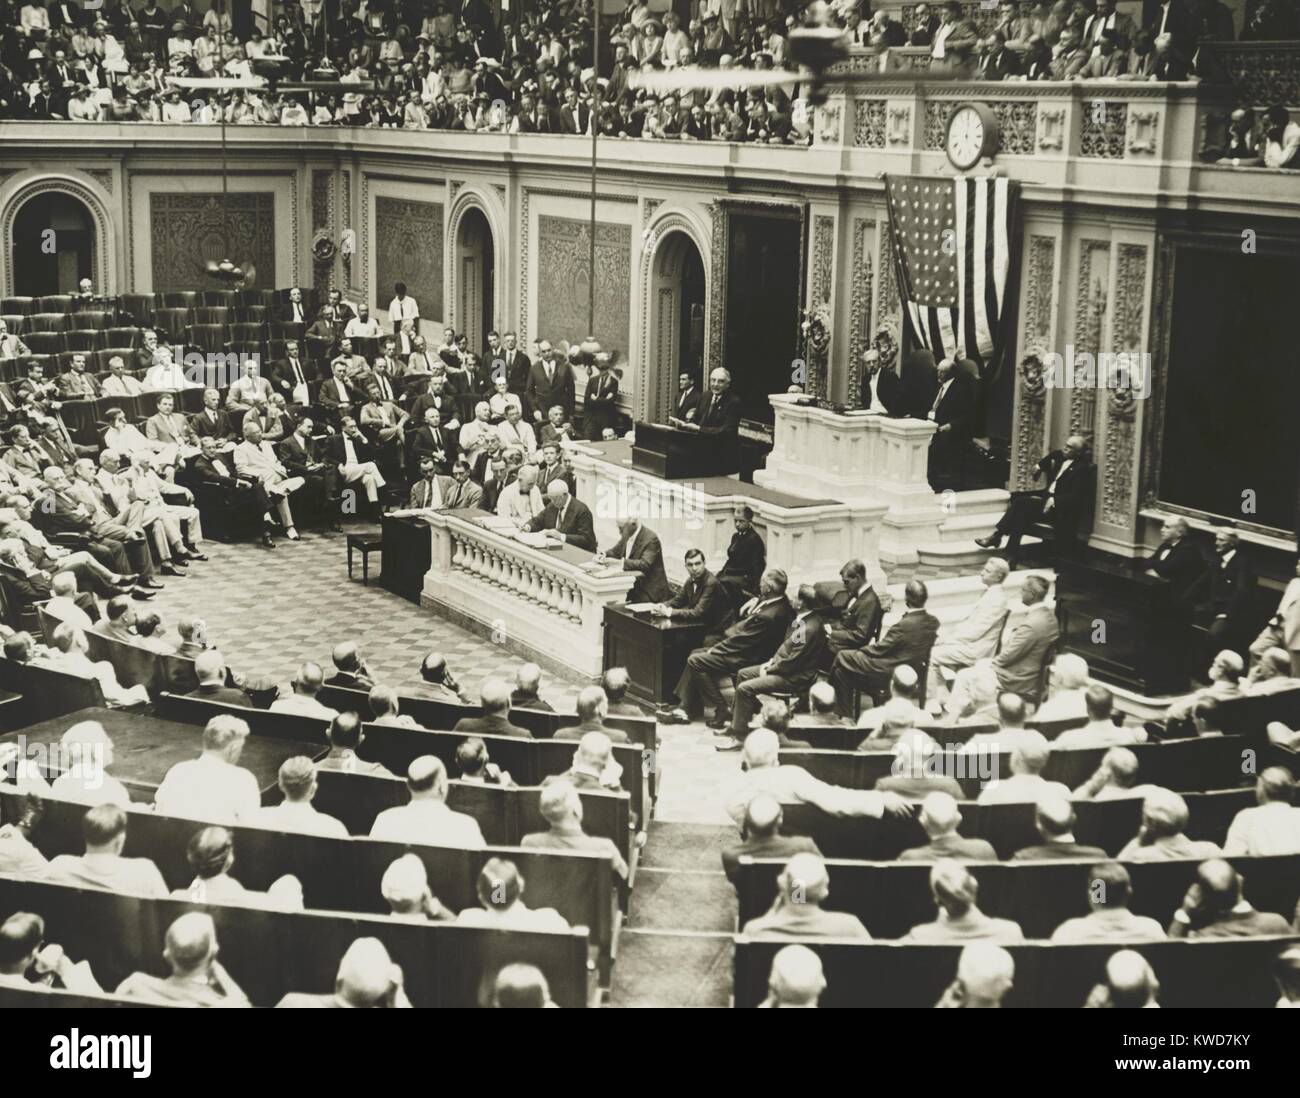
x=360 y=444
x=889 y=389
x=1182 y=564
x=800 y=654
x=217 y=427
x=746 y=558
x=518 y=366
x=577 y=731
x=770 y=846
x=329 y=394
x=600 y=404
x=227 y=695
x=920 y=381
x=519 y=700
x=282 y=375
x=1060 y=852
x=351 y=680
x=950 y=846
x=909 y=641
x=423 y=442
x=855 y=626
x=1074 y=490
x=295 y=456
x=703 y=600
x=494 y=724
x=956 y=409
x=26 y=589
x=755 y=638
x=688 y=404
x=719 y=416
x=543 y=395
x=1006 y=63
x=1227 y=590
x=645 y=556
x=578 y=527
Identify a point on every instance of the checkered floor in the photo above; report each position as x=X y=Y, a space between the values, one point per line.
x=268 y=610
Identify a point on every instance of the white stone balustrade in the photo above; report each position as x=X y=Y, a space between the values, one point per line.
x=538 y=602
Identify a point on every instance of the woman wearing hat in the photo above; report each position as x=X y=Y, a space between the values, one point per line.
x=649 y=44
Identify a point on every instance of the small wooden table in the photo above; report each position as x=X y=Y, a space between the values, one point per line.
x=653 y=650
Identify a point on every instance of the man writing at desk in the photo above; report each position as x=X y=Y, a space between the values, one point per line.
x=719 y=409
x=565 y=519
x=641 y=552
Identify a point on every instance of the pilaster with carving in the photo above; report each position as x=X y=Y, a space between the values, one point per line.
x=1123 y=396
x=717 y=283
x=889 y=309
x=1091 y=299
x=859 y=306
x=1037 y=324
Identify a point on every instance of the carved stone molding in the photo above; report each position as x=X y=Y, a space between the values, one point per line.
x=648 y=208
x=322 y=218
x=473 y=198
x=454 y=186
x=1031 y=396
x=935 y=134
x=1090 y=304
x=1143 y=127
x=1102 y=133
x=889 y=309
x=1017 y=119
x=859 y=305
x=102 y=176
x=717 y=281
x=649 y=375
x=1118 y=502
x=500 y=188
x=1051 y=127
x=823 y=258
x=869 y=123
x=830 y=124
x=900 y=126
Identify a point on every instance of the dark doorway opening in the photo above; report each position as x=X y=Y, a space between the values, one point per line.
x=54 y=243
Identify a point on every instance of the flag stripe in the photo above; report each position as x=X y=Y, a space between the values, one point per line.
x=983 y=342
x=962 y=188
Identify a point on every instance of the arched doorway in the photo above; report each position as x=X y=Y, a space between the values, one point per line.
x=53 y=245
x=475 y=278
x=676 y=344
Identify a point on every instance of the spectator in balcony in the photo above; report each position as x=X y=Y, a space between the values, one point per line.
x=1070 y=56
x=924 y=25
x=1106 y=18
x=996 y=62
x=1013 y=21
x=954 y=42
x=1271 y=21
x=1282 y=139
x=715 y=43
x=1242 y=147
x=883 y=33
x=1108 y=61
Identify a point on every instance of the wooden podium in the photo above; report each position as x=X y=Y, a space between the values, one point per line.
x=674 y=454
x=653 y=650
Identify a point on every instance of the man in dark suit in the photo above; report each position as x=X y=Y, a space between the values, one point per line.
x=701 y=599
x=350 y=668
x=1054 y=820
x=430 y=439
x=291 y=376
x=940 y=817
x=213 y=422
x=518 y=367
x=763 y=838
x=707 y=677
x=336 y=396
x=568 y=519
x=299 y=452
x=996 y=62
x=791 y=669
x=909 y=641
x=719 y=410
x=1223 y=596
x=210 y=670
x=494 y=694
x=353 y=456
x=924 y=24
x=1178 y=561
x=640 y=551
x=1069 y=479
x=600 y=402
x=953 y=413
x=688 y=399
x=550 y=382
x=920 y=381
x=592 y=708
x=746 y=559
x=858 y=619
x=882 y=392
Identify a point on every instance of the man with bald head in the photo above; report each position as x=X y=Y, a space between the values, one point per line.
x=1109 y=891
x=985 y=975
x=351 y=670
x=1178 y=560
x=594 y=765
x=1069 y=478
x=367 y=977
x=1026 y=785
x=908 y=641
x=197 y=977
x=303 y=701
x=1054 y=820
x=592 y=707
x=561 y=808
x=801 y=889
x=940 y=818
x=1214 y=907
x=521 y=501
x=436 y=682
x=213 y=787
x=427 y=820
x=494 y=696
x=955 y=891
x=565 y=519
x=87 y=753
x=762 y=837
x=520 y=986
x=639 y=549
x=1129 y=981
x=797 y=979
x=1272 y=827
x=210 y=670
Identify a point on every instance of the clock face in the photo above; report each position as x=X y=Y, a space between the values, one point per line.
x=965 y=137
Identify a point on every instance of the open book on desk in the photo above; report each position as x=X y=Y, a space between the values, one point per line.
x=537 y=539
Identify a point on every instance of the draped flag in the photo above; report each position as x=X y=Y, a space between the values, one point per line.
x=956 y=245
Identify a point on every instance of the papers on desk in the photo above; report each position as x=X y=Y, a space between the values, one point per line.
x=498 y=523
x=638 y=607
x=602 y=571
x=537 y=540
x=412 y=512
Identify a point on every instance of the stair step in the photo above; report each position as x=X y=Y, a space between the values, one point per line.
x=976 y=500
x=965 y=527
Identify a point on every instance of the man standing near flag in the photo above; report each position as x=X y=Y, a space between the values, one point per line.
x=953 y=414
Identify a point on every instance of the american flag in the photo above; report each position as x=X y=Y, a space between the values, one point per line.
x=954 y=243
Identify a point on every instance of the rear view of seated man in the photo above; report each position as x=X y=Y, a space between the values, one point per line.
x=940 y=818
x=367 y=977
x=561 y=808
x=297 y=781
x=1273 y=827
x=763 y=838
x=72 y=647
x=211 y=856
x=1067 y=685
x=1026 y=784
x=1101 y=730
x=427 y=820
x=303 y=701
x=345 y=737
x=1161 y=836
x=1214 y=908
x=212 y=787
x=494 y=695
x=501 y=892
x=1129 y=983
x=797 y=912
x=1115 y=777
x=23 y=949
x=796 y=980
x=405 y=889
x=985 y=976
x=955 y=891
x=591 y=708
x=102 y=866
x=1054 y=820
x=594 y=765
x=89 y=750
x=197 y=977
x=1109 y=892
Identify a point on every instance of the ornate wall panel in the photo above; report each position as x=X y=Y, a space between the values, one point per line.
x=322 y=217
x=408 y=247
x=859 y=305
x=188 y=230
x=563 y=245
x=1031 y=399
x=889 y=310
x=869 y=123
x=1118 y=491
x=1103 y=130
x=717 y=282
x=1017 y=119
x=1090 y=304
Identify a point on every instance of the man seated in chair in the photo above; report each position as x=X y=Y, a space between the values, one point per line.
x=976 y=636
x=700 y=599
x=746 y=559
x=859 y=617
x=1018 y=667
x=1069 y=477
x=908 y=640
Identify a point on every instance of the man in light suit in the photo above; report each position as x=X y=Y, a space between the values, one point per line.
x=426 y=493
x=170 y=428
x=256 y=460
x=791 y=669
x=513 y=431
x=640 y=551
x=909 y=641
x=1017 y=668
x=567 y=519
x=521 y=500
x=975 y=636
x=701 y=599
x=707 y=677
x=248 y=391
x=461 y=491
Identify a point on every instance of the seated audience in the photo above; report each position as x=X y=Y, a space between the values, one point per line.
x=797 y=911
x=28 y=961
x=1273 y=827
x=561 y=808
x=210 y=670
x=72 y=646
x=519 y=986
x=89 y=751
x=822 y=710
x=501 y=892
x=615 y=682
x=367 y=978
x=302 y=700
x=494 y=696
x=350 y=668
x=212 y=787
x=405 y=888
x=528 y=681
x=976 y=636
x=1109 y=890
x=1129 y=981
x=594 y=765
x=211 y=855
x=1116 y=776
x=383 y=707
x=436 y=682
x=940 y=818
x=763 y=838
x=1026 y=784
x=297 y=781
x=1067 y=683
x=345 y=737
x=197 y=977
x=1101 y=729
x=1214 y=908
x=1054 y=820
x=427 y=820
x=797 y=979
x=1161 y=837
x=955 y=891
x=985 y=976
x=102 y=866
x=904 y=691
